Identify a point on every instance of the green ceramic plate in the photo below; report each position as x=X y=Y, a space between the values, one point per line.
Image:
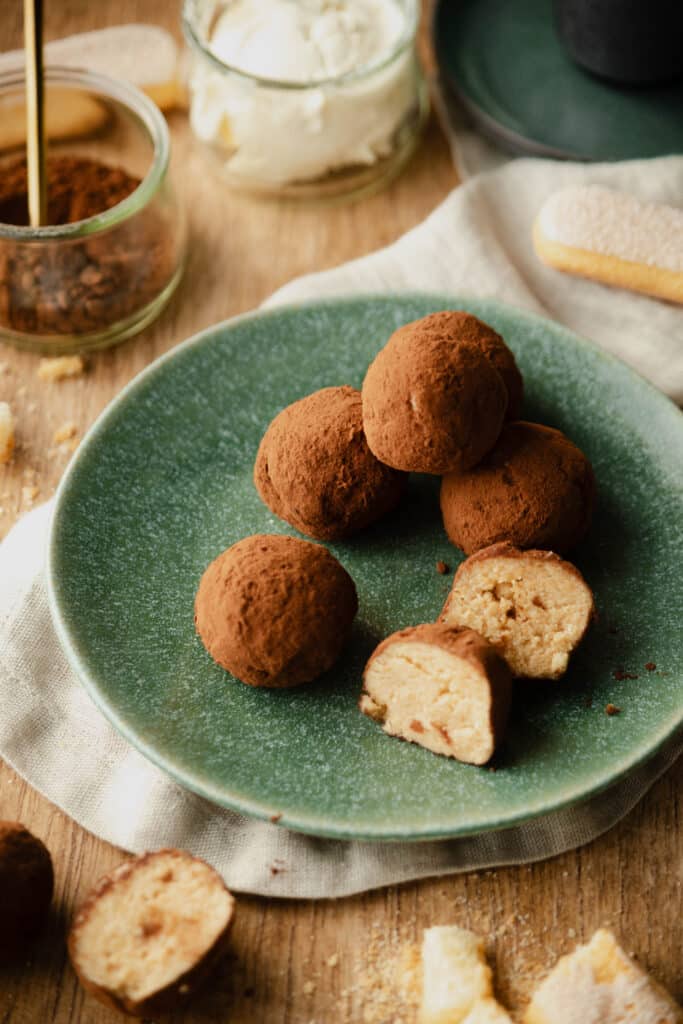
x=163 y=483
x=504 y=60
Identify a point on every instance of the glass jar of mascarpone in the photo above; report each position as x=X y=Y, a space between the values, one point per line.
x=306 y=98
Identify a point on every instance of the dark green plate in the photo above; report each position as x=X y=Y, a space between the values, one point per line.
x=504 y=60
x=163 y=483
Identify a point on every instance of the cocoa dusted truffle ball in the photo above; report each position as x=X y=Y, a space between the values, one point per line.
x=314 y=468
x=275 y=611
x=535 y=489
x=26 y=884
x=442 y=687
x=433 y=402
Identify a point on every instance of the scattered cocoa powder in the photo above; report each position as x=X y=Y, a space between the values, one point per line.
x=89 y=284
x=620 y=675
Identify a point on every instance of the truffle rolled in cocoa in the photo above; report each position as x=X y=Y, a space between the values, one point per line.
x=26 y=885
x=535 y=489
x=433 y=401
x=314 y=468
x=275 y=611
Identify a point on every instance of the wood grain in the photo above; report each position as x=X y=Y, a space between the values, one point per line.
x=631 y=879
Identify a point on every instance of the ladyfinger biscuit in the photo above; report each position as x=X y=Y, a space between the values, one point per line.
x=615 y=238
x=599 y=984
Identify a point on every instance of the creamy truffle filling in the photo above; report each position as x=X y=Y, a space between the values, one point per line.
x=429 y=696
x=152 y=926
x=534 y=612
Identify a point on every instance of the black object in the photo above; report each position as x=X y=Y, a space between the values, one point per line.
x=631 y=42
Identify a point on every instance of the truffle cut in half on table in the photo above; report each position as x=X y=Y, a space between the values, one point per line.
x=442 y=687
x=535 y=488
x=434 y=399
x=314 y=468
x=275 y=611
x=151 y=931
x=532 y=606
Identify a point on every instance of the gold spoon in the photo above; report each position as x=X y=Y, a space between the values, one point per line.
x=35 y=112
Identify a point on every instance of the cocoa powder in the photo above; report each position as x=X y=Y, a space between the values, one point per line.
x=87 y=284
x=77 y=188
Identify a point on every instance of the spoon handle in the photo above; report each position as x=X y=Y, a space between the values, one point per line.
x=35 y=112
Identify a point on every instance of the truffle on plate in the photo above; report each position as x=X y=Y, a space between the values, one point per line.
x=314 y=468
x=534 y=489
x=465 y=328
x=26 y=885
x=433 y=402
x=440 y=686
x=533 y=607
x=275 y=611
x=150 y=932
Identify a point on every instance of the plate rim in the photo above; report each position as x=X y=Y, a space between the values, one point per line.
x=496 y=131
x=305 y=822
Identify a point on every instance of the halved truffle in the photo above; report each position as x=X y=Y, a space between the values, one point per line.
x=535 y=489
x=275 y=611
x=532 y=606
x=433 y=402
x=26 y=885
x=151 y=931
x=314 y=468
x=442 y=687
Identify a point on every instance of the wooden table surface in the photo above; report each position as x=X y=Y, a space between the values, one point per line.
x=630 y=879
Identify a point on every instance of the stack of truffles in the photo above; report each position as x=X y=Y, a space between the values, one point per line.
x=442 y=397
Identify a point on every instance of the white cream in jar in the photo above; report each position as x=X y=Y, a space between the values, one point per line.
x=291 y=90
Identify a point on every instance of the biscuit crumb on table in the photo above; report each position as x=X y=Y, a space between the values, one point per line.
x=64 y=433
x=7 y=436
x=59 y=367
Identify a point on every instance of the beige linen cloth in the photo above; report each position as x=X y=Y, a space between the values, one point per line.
x=477 y=241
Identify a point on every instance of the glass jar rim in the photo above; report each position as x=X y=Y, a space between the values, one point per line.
x=145 y=111
x=358 y=74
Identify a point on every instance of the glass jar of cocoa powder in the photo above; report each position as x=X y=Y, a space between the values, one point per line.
x=113 y=249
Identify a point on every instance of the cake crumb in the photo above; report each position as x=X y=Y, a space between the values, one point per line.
x=60 y=367
x=333 y=960
x=620 y=675
x=612 y=709
x=64 y=433
x=274 y=818
x=442 y=568
x=6 y=432
x=309 y=988
x=29 y=495
x=650 y=666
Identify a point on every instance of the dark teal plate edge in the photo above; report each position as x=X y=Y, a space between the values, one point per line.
x=305 y=823
x=494 y=131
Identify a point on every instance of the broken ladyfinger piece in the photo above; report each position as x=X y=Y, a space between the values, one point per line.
x=151 y=931
x=456 y=979
x=532 y=606
x=599 y=984
x=442 y=687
